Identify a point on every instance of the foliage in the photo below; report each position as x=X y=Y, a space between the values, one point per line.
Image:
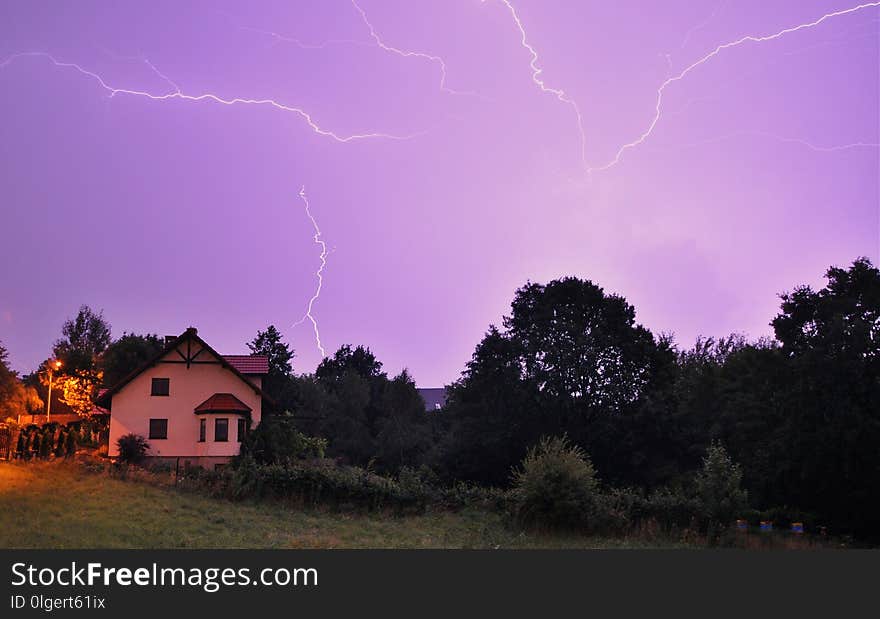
x=830 y=398
x=276 y=440
x=132 y=448
x=126 y=354
x=16 y=398
x=360 y=361
x=718 y=488
x=70 y=443
x=79 y=390
x=367 y=418
x=402 y=432
x=555 y=487
x=278 y=382
x=570 y=360
x=86 y=336
x=321 y=482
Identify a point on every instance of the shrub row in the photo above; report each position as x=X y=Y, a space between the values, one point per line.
x=44 y=442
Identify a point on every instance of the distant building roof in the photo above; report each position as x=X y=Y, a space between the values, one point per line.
x=222 y=403
x=434 y=397
x=249 y=364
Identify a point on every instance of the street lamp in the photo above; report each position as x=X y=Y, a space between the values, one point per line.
x=57 y=366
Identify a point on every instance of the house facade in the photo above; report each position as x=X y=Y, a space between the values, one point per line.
x=193 y=405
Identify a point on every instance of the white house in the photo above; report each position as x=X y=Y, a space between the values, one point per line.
x=193 y=405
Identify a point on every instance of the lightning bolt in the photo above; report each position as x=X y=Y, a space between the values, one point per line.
x=409 y=54
x=536 y=78
x=319 y=274
x=280 y=38
x=701 y=25
x=746 y=39
x=177 y=94
x=781 y=138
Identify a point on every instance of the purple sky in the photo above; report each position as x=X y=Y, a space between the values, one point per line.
x=761 y=170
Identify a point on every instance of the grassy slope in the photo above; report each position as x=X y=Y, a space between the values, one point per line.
x=61 y=506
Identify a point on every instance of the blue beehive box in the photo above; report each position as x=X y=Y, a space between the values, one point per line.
x=797 y=527
x=766 y=525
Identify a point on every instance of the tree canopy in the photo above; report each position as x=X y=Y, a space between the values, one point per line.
x=127 y=354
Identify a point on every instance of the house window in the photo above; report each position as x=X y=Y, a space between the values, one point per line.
x=221 y=430
x=158 y=428
x=203 y=423
x=242 y=429
x=160 y=386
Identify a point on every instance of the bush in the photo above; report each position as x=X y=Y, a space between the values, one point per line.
x=21 y=447
x=70 y=441
x=718 y=489
x=276 y=440
x=323 y=482
x=556 y=486
x=132 y=448
x=59 y=444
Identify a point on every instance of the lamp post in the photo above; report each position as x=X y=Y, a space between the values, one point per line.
x=57 y=366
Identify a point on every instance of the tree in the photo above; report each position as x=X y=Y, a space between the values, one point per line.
x=80 y=389
x=16 y=397
x=491 y=415
x=132 y=448
x=719 y=488
x=831 y=342
x=360 y=361
x=127 y=354
x=346 y=422
x=85 y=337
x=580 y=344
x=403 y=435
x=556 y=485
x=570 y=360
x=278 y=382
x=276 y=440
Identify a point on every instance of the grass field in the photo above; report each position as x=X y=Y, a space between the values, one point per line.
x=61 y=505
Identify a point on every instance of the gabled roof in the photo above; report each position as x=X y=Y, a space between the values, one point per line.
x=222 y=403
x=249 y=364
x=105 y=399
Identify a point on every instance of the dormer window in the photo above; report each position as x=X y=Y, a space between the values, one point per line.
x=160 y=386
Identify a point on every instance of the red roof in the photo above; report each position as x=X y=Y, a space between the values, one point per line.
x=222 y=403
x=249 y=364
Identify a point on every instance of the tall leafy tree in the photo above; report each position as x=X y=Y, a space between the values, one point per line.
x=126 y=354
x=492 y=415
x=270 y=344
x=831 y=341
x=403 y=436
x=581 y=345
x=571 y=360
x=278 y=384
x=360 y=361
x=16 y=398
x=86 y=336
